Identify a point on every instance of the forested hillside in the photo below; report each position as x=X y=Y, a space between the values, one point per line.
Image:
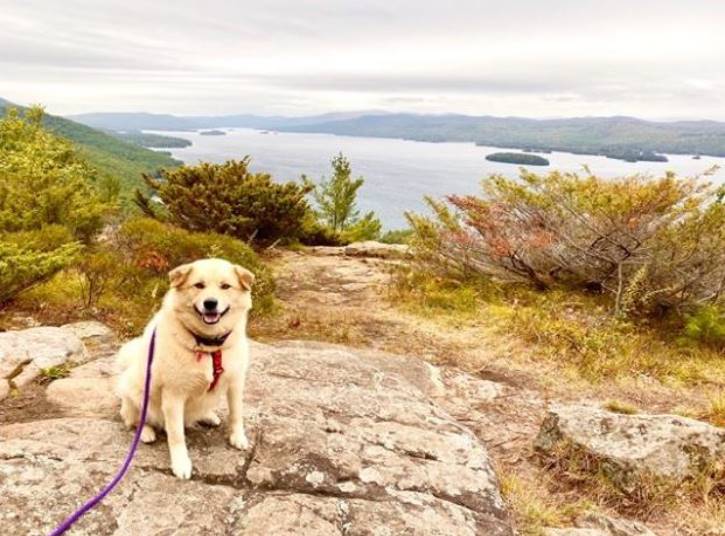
x=110 y=155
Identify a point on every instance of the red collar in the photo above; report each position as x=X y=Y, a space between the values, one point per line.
x=217 y=368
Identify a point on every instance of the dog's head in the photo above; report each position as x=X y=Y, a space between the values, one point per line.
x=211 y=296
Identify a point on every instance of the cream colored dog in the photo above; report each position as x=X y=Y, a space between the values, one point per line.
x=201 y=355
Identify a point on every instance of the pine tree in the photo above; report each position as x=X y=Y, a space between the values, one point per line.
x=337 y=204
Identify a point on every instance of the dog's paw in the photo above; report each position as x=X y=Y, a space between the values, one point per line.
x=181 y=466
x=238 y=439
x=148 y=434
x=212 y=419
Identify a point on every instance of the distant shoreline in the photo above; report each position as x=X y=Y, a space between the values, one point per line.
x=524 y=148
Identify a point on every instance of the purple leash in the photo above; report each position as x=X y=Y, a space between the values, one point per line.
x=129 y=457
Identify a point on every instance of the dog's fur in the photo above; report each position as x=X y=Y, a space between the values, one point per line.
x=181 y=375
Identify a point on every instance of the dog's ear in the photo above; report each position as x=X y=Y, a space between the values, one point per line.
x=246 y=278
x=179 y=275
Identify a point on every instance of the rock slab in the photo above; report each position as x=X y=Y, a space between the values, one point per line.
x=25 y=353
x=344 y=442
x=667 y=446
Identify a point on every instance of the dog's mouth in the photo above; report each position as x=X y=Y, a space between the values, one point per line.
x=211 y=317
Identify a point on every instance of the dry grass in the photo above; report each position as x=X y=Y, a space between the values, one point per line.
x=715 y=413
x=690 y=504
x=572 y=331
x=532 y=507
x=617 y=406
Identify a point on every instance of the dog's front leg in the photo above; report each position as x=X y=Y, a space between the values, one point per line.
x=235 y=399
x=172 y=406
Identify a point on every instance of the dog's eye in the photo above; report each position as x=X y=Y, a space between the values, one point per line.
x=199 y=285
x=225 y=286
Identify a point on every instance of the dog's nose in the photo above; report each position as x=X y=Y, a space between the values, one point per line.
x=210 y=304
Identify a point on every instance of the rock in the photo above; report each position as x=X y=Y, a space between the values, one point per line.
x=92 y=331
x=343 y=442
x=102 y=367
x=574 y=532
x=27 y=375
x=83 y=396
x=461 y=393
x=614 y=526
x=24 y=353
x=628 y=445
x=600 y=525
x=371 y=248
x=4 y=389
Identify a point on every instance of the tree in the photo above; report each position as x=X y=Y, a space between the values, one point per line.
x=43 y=180
x=229 y=199
x=49 y=203
x=336 y=204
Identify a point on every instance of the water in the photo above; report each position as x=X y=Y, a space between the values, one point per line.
x=398 y=173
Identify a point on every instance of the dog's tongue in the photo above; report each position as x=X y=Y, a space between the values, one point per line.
x=211 y=318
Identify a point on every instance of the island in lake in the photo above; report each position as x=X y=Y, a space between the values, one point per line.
x=212 y=133
x=523 y=159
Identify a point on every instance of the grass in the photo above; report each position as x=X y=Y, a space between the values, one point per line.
x=531 y=506
x=49 y=374
x=715 y=413
x=617 y=406
x=572 y=331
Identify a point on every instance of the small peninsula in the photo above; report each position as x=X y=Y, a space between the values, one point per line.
x=524 y=159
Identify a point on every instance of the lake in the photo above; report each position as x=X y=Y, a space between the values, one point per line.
x=398 y=173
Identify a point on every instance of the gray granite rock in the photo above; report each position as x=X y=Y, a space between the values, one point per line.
x=663 y=445
x=343 y=442
x=24 y=353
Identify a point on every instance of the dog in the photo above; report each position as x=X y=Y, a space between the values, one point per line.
x=201 y=355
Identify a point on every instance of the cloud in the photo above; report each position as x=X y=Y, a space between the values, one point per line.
x=283 y=56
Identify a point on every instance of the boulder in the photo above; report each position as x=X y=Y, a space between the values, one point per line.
x=24 y=353
x=4 y=388
x=92 y=331
x=342 y=442
x=666 y=446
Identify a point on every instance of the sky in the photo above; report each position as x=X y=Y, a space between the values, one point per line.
x=662 y=59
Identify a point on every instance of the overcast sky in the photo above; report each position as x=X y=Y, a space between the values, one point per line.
x=659 y=59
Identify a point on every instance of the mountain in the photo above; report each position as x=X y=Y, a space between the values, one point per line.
x=621 y=137
x=134 y=121
x=110 y=155
x=120 y=121
x=610 y=136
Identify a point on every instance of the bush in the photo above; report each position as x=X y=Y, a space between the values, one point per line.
x=44 y=182
x=22 y=268
x=229 y=199
x=98 y=270
x=152 y=248
x=397 y=236
x=651 y=245
x=707 y=325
